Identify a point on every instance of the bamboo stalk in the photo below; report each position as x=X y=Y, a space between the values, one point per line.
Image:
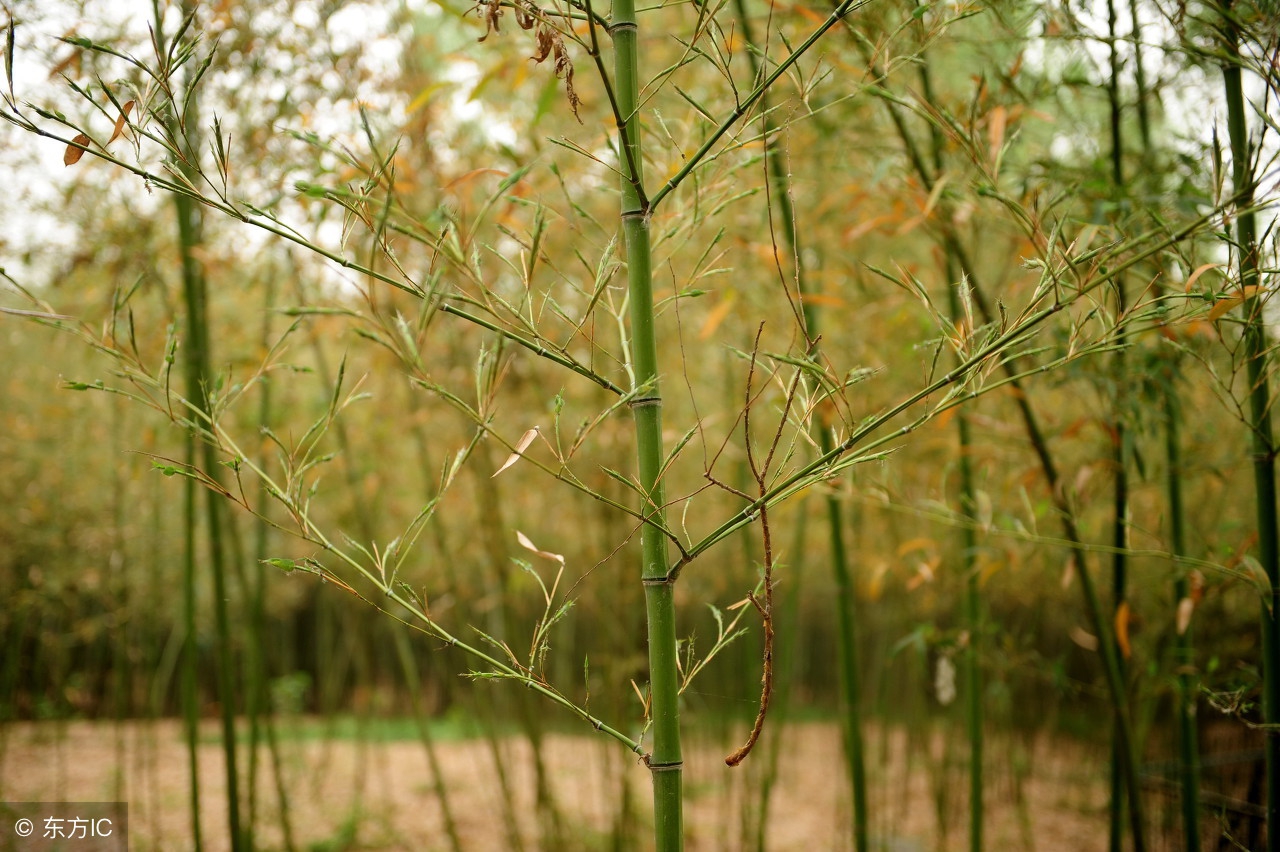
x=1120 y=482
x=1258 y=367
x=189 y=682
x=1184 y=652
x=665 y=761
x=969 y=542
x=199 y=377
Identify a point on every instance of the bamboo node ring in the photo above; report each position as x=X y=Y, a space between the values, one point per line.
x=665 y=767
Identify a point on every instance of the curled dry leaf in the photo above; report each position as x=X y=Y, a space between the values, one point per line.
x=525 y=440
x=1186 y=607
x=1222 y=306
x=529 y=545
x=1083 y=638
x=1122 y=629
x=121 y=121
x=548 y=41
x=74 y=152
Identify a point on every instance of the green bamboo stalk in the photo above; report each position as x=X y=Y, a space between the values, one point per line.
x=190 y=656
x=414 y=682
x=199 y=380
x=1258 y=369
x=1120 y=481
x=969 y=538
x=189 y=683
x=1184 y=651
x=974 y=715
x=257 y=695
x=1184 y=654
x=665 y=761
x=255 y=699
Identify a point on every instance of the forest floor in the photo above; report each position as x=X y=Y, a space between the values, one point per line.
x=1043 y=794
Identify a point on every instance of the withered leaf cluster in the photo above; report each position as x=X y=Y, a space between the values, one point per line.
x=549 y=41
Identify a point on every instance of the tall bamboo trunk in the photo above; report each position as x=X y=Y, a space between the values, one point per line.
x=1257 y=359
x=665 y=760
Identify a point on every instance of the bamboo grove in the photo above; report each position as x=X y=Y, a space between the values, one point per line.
x=621 y=358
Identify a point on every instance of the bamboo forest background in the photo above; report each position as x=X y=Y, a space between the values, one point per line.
x=323 y=340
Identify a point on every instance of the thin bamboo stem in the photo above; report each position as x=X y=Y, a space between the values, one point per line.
x=846 y=597
x=969 y=537
x=1120 y=481
x=199 y=379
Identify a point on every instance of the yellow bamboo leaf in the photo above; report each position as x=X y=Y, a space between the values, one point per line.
x=74 y=152
x=1083 y=638
x=1186 y=607
x=120 y=122
x=525 y=440
x=996 y=123
x=1200 y=270
x=421 y=99
x=472 y=175
x=825 y=300
x=1122 y=630
x=915 y=544
x=1221 y=306
x=530 y=546
x=863 y=228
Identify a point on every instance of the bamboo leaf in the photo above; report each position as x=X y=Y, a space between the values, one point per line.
x=121 y=121
x=523 y=444
x=8 y=55
x=1123 y=620
x=1186 y=607
x=530 y=546
x=75 y=150
x=1195 y=276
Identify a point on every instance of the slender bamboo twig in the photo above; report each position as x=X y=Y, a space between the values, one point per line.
x=846 y=597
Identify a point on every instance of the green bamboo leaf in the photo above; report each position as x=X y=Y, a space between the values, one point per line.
x=8 y=54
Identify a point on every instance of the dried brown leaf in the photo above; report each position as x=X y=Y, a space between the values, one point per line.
x=1083 y=638
x=492 y=12
x=1186 y=607
x=1123 y=621
x=530 y=546
x=74 y=152
x=121 y=121
x=998 y=120
x=525 y=440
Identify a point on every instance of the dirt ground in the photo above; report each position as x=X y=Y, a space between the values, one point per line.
x=1042 y=795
